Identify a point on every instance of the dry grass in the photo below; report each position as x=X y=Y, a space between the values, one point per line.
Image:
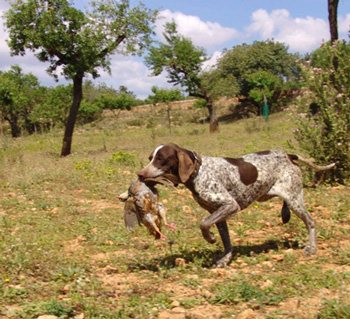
x=64 y=250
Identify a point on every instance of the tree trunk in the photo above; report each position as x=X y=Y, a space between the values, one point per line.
x=333 y=19
x=168 y=116
x=73 y=113
x=333 y=27
x=213 y=120
x=15 y=128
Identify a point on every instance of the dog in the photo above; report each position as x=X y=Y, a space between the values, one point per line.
x=224 y=186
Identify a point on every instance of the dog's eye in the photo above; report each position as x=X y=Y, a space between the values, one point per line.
x=150 y=158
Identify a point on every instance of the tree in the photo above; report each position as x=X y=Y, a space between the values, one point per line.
x=18 y=95
x=263 y=84
x=243 y=60
x=53 y=108
x=183 y=62
x=165 y=96
x=77 y=43
x=333 y=19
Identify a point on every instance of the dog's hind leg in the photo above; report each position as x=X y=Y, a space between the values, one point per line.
x=295 y=202
x=298 y=208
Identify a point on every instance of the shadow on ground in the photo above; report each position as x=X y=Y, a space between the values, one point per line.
x=206 y=258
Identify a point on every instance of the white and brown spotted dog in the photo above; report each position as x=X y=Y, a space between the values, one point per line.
x=224 y=186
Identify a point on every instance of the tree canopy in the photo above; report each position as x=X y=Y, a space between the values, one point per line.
x=18 y=94
x=77 y=43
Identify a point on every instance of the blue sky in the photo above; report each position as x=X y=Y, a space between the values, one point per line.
x=213 y=25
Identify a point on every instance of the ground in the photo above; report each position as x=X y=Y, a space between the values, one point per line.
x=64 y=250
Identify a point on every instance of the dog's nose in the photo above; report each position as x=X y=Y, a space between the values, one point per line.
x=141 y=175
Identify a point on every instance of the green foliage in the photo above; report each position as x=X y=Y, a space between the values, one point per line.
x=180 y=58
x=51 y=307
x=123 y=158
x=263 y=83
x=243 y=291
x=334 y=309
x=53 y=109
x=164 y=95
x=89 y=112
x=258 y=65
x=324 y=123
x=217 y=85
x=200 y=104
x=18 y=94
x=78 y=42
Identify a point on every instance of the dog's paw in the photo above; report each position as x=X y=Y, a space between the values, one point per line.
x=209 y=236
x=224 y=261
x=310 y=250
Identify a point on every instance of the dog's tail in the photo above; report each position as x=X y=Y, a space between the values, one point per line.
x=310 y=162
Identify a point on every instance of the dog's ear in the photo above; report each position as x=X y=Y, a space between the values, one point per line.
x=186 y=166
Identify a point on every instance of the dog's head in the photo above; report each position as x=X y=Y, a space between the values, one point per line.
x=171 y=161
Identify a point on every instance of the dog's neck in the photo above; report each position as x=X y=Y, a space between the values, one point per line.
x=198 y=162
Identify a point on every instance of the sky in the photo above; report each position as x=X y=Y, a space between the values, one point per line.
x=214 y=25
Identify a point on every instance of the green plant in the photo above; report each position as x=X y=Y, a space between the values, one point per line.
x=51 y=307
x=123 y=158
x=334 y=309
x=324 y=121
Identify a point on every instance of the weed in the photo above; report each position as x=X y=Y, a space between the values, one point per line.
x=334 y=309
x=51 y=307
x=243 y=291
x=123 y=158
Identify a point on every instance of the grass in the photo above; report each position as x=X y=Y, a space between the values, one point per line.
x=64 y=249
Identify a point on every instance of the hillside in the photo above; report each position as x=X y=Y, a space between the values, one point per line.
x=64 y=250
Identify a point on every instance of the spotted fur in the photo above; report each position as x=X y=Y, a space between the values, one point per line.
x=225 y=186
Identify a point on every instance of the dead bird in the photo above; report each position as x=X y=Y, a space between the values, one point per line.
x=142 y=207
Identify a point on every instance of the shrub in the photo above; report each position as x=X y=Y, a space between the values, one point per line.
x=123 y=158
x=89 y=112
x=324 y=121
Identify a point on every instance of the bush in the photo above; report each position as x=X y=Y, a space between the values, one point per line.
x=324 y=121
x=88 y=112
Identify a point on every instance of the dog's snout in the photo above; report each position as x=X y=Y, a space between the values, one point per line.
x=141 y=174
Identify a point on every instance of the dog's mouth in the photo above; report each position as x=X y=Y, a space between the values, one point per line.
x=163 y=180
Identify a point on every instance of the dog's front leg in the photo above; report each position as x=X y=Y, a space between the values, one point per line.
x=225 y=237
x=219 y=218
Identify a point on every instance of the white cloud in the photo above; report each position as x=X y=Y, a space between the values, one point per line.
x=300 y=34
x=211 y=62
x=206 y=34
x=344 y=24
x=132 y=73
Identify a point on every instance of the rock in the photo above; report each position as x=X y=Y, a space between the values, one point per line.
x=266 y=284
x=180 y=262
x=206 y=294
x=175 y=304
x=277 y=257
x=178 y=310
x=267 y=264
